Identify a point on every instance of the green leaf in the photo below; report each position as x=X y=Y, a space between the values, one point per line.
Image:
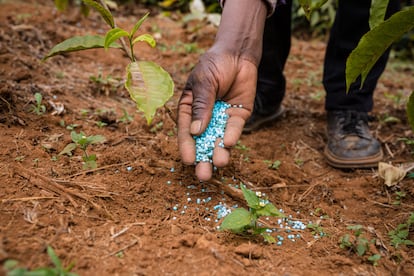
x=79 y=43
x=146 y=38
x=95 y=139
x=377 y=12
x=268 y=238
x=410 y=110
x=374 y=43
x=76 y=137
x=137 y=25
x=309 y=6
x=269 y=210
x=10 y=264
x=237 y=220
x=253 y=201
x=106 y=14
x=374 y=259
x=114 y=34
x=61 y=5
x=54 y=258
x=149 y=86
x=362 y=246
x=68 y=149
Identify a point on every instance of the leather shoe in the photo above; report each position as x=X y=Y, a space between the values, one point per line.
x=258 y=120
x=350 y=142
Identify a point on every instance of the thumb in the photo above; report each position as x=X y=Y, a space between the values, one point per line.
x=204 y=96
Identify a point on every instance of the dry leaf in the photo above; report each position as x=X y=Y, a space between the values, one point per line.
x=392 y=175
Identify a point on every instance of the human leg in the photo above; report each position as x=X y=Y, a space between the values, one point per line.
x=271 y=82
x=350 y=143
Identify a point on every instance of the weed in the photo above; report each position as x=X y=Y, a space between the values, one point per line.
x=72 y=126
x=241 y=146
x=399 y=196
x=396 y=97
x=82 y=141
x=157 y=127
x=400 y=235
x=359 y=244
x=126 y=118
x=20 y=158
x=272 y=165
x=316 y=229
x=241 y=220
x=12 y=269
x=38 y=108
x=299 y=162
x=101 y=124
x=105 y=84
x=84 y=112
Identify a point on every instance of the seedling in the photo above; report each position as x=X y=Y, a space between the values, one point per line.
x=148 y=84
x=12 y=269
x=157 y=127
x=358 y=243
x=82 y=141
x=241 y=146
x=126 y=118
x=38 y=108
x=316 y=229
x=273 y=165
x=399 y=196
x=101 y=124
x=400 y=235
x=241 y=220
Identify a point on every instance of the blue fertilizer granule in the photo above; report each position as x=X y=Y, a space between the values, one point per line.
x=205 y=142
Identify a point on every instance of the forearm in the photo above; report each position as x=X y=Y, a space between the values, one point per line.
x=241 y=29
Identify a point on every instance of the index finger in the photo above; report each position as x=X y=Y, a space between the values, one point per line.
x=186 y=143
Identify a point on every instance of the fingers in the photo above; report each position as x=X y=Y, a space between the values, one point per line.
x=204 y=92
x=235 y=124
x=204 y=171
x=186 y=143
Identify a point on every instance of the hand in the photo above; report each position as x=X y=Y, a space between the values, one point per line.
x=217 y=76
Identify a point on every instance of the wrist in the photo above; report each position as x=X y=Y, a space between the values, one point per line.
x=241 y=29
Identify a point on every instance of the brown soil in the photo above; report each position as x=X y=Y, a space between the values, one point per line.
x=119 y=219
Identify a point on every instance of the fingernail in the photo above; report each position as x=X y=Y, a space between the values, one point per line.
x=195 y=127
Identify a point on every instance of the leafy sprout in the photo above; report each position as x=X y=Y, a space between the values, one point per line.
x=82 y=141
x=241 y=220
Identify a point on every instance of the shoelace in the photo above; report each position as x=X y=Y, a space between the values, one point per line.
x=352 y=122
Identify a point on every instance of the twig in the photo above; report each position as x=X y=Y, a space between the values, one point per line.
x=389 y=150
x=28 y=198
x=51 y=185
x=96 y=169
x=123 y=248
x=232 y=192
x=126 y=229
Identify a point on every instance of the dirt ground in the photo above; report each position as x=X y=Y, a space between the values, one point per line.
x=142 y=212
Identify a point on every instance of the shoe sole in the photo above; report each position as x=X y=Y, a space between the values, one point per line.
x=340 y=163
x=261 y=122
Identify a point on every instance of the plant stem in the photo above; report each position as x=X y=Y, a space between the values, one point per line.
x=123 y=44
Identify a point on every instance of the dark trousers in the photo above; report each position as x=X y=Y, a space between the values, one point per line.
x=351 y=22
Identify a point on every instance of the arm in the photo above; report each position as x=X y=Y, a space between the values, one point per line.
x=227 y=71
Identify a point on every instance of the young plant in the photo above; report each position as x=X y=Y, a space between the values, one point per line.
x=358 y=243
x=38 y=108
x=148 y=84
x=241 y=220
x=273 y=165
x=82 y=141
x=126 y=118
x=400 y=235
x=12 y=269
